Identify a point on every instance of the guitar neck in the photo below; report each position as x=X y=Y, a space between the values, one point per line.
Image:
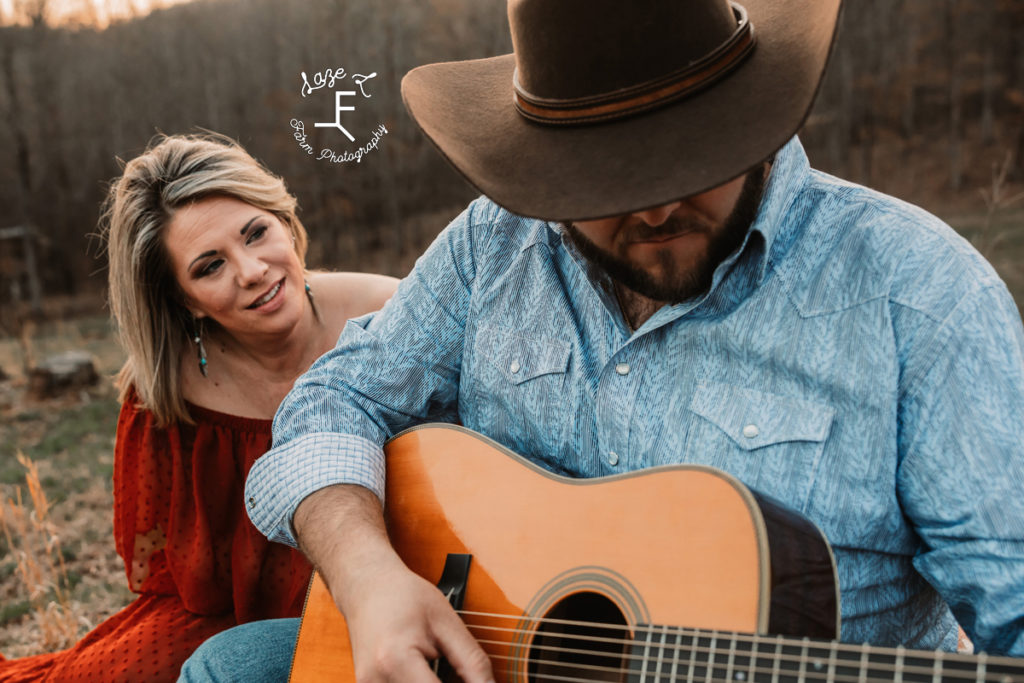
x=667 y=654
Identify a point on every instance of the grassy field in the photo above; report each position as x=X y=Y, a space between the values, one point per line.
x=70 y=441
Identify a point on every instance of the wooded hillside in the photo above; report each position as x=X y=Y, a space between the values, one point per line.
x=921 y=99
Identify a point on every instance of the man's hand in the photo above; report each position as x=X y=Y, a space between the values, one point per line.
x=398 y=622
x=402 y=623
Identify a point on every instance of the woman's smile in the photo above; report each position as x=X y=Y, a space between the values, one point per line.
x=269 y=301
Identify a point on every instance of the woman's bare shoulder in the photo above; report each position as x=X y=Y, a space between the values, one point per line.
x=341 y=296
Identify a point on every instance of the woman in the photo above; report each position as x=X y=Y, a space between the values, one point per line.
x=218 y=317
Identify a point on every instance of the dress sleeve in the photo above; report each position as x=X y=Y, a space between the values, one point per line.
x=390 y=370
x=961 y=469
x=142 y=476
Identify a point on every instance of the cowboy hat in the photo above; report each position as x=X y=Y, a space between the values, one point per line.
x=607 y=107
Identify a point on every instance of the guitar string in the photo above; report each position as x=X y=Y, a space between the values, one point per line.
x=713 y=663
x=653 y=673
x=711 y=671
x=755 y=639
x=820 y=657
x=656 y=673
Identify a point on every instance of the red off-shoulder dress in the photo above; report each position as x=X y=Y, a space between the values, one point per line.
x=189 y=550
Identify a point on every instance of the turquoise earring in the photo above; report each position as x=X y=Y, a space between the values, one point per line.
x=197 y=325
x=312 y=301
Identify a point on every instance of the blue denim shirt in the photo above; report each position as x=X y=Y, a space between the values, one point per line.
x=878 y=355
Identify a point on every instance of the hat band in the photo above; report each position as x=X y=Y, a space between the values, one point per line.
x=635 y=99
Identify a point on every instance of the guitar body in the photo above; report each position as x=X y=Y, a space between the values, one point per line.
x=682 y=546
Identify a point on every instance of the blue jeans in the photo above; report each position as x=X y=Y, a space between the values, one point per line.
x=257 y=652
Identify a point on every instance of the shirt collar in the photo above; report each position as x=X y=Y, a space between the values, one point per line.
x=540 y=232
x=788 y=175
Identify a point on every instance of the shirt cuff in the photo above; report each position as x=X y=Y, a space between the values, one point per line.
x=284 y=476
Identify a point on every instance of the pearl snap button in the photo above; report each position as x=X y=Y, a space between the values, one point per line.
x=514 y=367
x=622 y=368
x=613 y=458
x=751 y=431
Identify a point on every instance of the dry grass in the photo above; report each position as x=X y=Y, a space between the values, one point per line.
x=33 y=539
x=59 y=572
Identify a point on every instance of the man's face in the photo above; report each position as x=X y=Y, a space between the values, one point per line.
x=670 y=253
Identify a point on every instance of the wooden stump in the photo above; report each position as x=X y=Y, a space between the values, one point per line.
x=62 y=373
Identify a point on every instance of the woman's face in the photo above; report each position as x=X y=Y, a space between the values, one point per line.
x=237 y=265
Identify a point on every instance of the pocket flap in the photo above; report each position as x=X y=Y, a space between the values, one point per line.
x=521 y=358
x=754 y=419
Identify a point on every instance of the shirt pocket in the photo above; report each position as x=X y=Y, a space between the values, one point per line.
x=519 y=358
x=772 y=443
x=512 y=385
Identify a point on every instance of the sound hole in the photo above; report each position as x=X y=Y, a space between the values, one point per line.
x=582 y=637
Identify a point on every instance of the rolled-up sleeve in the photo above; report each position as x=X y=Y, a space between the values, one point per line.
x=390 y=370
x=961 y=476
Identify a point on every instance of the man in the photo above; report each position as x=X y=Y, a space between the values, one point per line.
x=691 y=291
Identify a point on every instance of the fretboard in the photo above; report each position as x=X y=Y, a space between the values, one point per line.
x=663 y=654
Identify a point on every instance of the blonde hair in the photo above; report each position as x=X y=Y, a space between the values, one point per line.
x=154 y=326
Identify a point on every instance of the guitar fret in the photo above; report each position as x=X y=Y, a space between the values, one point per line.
x=937 y=667
x=752 y=660
x=675 y=657
x=803 y=660
x=693 y=657
x=957 y=667
x=778 y=658
x=742 y=651
x=898 y=678
x=918 y=667
x=761 y=656
x=820 y=657
x=709 y=674
x=731 y=659
x=647 y=655
x=661 y=654
x=792 y=659
x=848 y=663
x=832 y=662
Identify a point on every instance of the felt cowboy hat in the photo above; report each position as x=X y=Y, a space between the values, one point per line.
x=611 y=106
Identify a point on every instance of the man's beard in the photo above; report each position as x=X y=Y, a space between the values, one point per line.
x=679 y=284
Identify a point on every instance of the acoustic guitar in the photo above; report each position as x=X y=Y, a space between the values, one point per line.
x=675 y=573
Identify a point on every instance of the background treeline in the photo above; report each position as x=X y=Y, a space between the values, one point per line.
x=924 y=98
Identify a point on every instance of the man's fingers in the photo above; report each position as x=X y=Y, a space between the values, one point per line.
x=462 y=651
x=412 y=668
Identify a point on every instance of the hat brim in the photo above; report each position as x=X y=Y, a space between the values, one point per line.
x=606 y=169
